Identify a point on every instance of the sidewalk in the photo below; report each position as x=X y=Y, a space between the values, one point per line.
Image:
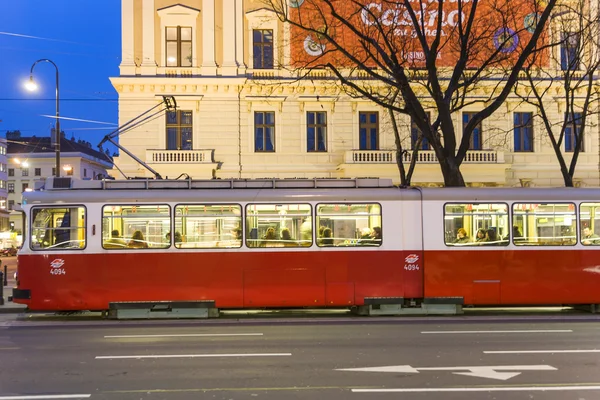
x=9 y=307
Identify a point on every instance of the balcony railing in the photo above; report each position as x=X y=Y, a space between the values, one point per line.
x=179 y=156
x=423 y=157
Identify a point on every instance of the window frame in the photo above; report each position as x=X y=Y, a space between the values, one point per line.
x=11 y=172
x=529 y=244
x=261 y=45
x=368 y=127
x=316 y=127
x=179 y=127
x=569 y=51
x=355 y=245
x=29 y=229
x=499 y=245
x=573 y=129
x=414 y=135
x=8 y=187
x=173 y=224
x=179 y=41
x=477 y=132
x=37 y=172
x=105 y=205
x=521 y=128
x=247 y=236
x=264 y=126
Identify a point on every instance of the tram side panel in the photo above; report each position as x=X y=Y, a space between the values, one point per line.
x=538 y=270
x=92 y=277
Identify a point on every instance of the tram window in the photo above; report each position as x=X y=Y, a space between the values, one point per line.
x=589 y=222
x=208 y=225
x=476 y=224
x=544 y=224
x=136 y=226
x=349 y=225
x=58 y=228
x=278 y=225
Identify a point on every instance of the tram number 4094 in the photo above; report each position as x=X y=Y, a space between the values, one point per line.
x=411 y=267
x=58 y=271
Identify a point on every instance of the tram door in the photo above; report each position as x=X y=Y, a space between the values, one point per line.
x=411 y=244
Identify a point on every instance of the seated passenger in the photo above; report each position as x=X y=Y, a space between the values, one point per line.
x=269 y=238
x=137 y=241
x=287 y=238
x=480 y=237
x=491 y=239
x=376 y=234
x=178 y=239
x=589 y=237
x=327 y=239
x=115 y=240
x=461 y=236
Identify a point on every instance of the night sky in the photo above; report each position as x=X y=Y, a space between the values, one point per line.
x=83 y=37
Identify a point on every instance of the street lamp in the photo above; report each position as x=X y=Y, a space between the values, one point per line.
x=32 y=86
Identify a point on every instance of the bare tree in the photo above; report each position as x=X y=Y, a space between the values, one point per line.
x=574 y=47
x=411 y=56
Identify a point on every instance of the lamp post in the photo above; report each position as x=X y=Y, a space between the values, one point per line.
x=31 y=86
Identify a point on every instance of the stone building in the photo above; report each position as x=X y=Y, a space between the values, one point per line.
x=241 y=113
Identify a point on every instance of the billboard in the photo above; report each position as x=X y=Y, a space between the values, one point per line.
x=377 y=32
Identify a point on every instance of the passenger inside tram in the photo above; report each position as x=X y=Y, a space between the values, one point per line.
x=137 y=241
x=589 y=237
x=462 y=236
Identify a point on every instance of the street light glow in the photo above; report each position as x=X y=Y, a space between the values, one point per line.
x=31 y=85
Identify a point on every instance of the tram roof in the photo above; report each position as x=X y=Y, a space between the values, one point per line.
x=67 y=189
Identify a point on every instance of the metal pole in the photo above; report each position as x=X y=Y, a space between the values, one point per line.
x=1 y=290
x=57 y=126
x=58 y=134
x=6 y=275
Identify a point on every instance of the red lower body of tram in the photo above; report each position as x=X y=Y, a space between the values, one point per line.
x=231 y=279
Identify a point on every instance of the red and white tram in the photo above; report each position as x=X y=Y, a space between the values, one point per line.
x=305 y=243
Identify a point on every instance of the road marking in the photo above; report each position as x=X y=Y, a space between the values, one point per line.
x=183 y=335
x=540 y=351
x=194 y=356
x=242 y=389
x=490 y=372
x=481 y=389
x=515 y=331
x=49 y=396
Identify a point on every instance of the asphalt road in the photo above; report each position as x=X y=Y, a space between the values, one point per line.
x=277 y=360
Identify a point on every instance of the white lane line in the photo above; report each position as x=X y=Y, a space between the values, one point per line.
x=194 y=356
x=481 y=389
x=540 y=351
x=47 y=396
x=182 y=335
x=513 y=331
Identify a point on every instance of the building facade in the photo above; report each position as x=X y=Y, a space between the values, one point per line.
x=5 y=233
x=32 y=159
x=243 y=113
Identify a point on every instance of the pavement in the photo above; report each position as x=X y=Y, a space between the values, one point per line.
x=459 y=360
x=11 y=267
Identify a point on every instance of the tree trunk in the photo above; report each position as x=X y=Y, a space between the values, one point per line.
x=451 y=173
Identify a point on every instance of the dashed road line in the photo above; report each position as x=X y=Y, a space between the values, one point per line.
x=193 y=356
x=539 y=351
x=181 y=335
x=506 y=331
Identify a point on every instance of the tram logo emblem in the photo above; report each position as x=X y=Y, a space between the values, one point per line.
x=411 y=258
x=59 y=262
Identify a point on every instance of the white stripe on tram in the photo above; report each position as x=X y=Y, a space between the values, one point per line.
x=193 y=356
x=182 y=335
x=540 y=351
x=512 y=331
